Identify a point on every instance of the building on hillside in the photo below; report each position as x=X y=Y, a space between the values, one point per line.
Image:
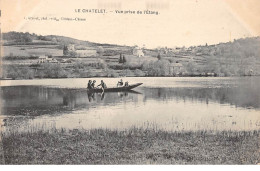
x=52 y=60
x=46 y=59
x=69 y=50
x=190 y=49
x=176 y=49
x=71 y=47
x=138 y=52
x=42 y=59
x=199 y=54
x=175 y=68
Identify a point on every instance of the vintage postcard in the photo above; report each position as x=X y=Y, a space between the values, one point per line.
x=135 y=82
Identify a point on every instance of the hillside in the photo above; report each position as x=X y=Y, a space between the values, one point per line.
x=20 y=38
x=240 y=57
x=30 y=44
x=88 y=59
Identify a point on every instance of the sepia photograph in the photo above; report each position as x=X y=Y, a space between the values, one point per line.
x=138 y=82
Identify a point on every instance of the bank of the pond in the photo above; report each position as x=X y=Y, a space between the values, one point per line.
x=135 y=76
x=133 y=146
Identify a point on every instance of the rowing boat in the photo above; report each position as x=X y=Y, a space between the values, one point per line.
x=116 y=89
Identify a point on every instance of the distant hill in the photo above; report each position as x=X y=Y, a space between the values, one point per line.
x=30 y=44
x=239 y=57
x=20 y=38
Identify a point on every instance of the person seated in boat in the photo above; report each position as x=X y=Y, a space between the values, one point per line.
x=126 y=84
x=120 y=83
x=103 y=85
x=89 y=84
x=93 y=84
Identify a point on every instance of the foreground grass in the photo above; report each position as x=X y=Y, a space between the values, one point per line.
x=133 y=146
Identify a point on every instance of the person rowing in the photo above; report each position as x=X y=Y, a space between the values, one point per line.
x=93 y=84
x=120 y=83
x=103 y=85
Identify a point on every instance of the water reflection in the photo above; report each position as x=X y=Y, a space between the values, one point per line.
x=177 y=108
x=37 y=100
x=238 y=96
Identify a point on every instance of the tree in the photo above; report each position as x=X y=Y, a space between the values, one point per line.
x=102 y=64
x=120 y=59
x=159 y=57
x=100 y=50
x=124 y=60
x=191 y=67
x=52 y=71
x=72 y=53
x=27 y=38
x=157 y=68
x=65 y=50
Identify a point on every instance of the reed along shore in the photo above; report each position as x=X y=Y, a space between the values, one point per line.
x=131 y=146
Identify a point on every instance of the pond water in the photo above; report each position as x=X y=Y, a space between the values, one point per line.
x=172 y=104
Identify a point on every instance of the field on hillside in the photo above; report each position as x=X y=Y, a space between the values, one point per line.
x=32 y=50
x=130 y=59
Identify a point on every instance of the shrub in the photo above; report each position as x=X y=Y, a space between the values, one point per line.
x=112 y=73
x=49 y=70
x=19 y=72
x=139 y=73
x=157 y=68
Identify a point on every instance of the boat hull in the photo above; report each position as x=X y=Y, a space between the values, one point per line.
x=115 y=89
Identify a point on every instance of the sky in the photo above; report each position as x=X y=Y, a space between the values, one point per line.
x=179 y=22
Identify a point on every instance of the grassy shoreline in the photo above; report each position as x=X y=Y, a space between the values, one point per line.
x=134 y=76
x=132 y=146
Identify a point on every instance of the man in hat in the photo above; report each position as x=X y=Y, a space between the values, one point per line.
x=89 y=84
